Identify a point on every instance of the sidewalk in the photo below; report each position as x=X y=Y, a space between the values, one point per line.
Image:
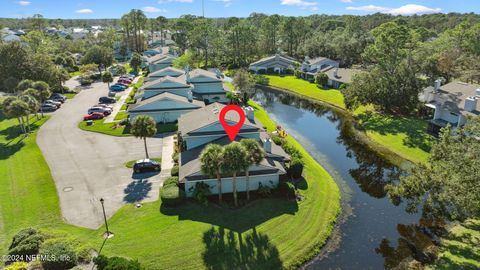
x=167 y=151
x=118 y=105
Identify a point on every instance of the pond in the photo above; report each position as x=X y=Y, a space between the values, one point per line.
x=374 y=234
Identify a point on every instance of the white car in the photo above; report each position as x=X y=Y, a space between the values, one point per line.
x=103 y=106
x=105 y=111
x=53 y=102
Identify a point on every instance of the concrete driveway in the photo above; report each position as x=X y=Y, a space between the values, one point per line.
x=87 y=166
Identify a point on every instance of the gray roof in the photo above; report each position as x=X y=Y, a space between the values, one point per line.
x=278 y=58
x=344 y=75
x=189 y=162
x=201 y=72
x=314 y=61
x=171 y=69
x=206 y=116
x=158 y=57
x=168 y=95
x=451 y=97
x=180 y=80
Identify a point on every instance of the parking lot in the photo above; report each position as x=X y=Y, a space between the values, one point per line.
x=87 y=166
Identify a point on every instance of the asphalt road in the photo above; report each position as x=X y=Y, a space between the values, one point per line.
x=87 y=166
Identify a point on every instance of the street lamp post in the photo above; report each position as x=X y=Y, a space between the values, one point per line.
x=105 y=216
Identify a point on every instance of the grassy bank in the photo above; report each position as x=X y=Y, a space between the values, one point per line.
x=405 y=137
x=460 y=247
x=265 y=234
x=307 y=89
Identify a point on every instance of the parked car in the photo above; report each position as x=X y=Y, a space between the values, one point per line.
x=99 y=110
x=58 y=97
x=145 y=165
x=107 y=100
x=56 y=103
x=122 y=85
x=48 y=108
x=103 y=107
x=117 y=88
x=93 y=116
x=124 y=81
x=112 y=94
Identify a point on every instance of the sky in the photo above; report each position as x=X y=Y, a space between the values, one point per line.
x=84 y=9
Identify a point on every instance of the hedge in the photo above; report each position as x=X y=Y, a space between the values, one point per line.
x=172 y=195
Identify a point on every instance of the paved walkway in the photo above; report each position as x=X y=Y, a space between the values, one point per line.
x=87 y=166
x=118 y=105
x=167 y=152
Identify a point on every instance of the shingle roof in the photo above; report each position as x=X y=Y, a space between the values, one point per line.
x=170 y=69
x=164 y=95
x=201 y=72
x=189 y=161
x=451 y=97
x=277 y=57
x=158 y=57
x=344 y=75
x=180 y=80
x=206 y=116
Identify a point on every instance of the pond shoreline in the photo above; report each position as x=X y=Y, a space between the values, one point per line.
x=382 y=151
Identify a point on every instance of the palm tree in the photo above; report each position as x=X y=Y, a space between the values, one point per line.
x=255 y=155
x=33 y=93
x=211 y=159
x=144 y=126
x=33 y=106
x=43 y=92
x=234 y=161
x=16 y=108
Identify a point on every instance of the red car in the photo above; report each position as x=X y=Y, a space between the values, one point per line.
x=93 y=116
x=124 y=81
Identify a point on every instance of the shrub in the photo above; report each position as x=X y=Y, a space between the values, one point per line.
x=172 y=180
x=201 y=191
x=172 y=195
x=321 y=78
x=116 y=263
x=17 y=266
x=278 y=141
x=174 y=171
x=264 y=191
x=291 y=150
x=175 y=157
x=296 y=168
x=84 y=255
x=260 y=79
x=26 y=242
x=61 y=256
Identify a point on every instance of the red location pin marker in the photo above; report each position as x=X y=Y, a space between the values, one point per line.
x=232 y=131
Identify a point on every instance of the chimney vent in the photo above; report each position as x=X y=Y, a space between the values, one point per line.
x=437 y=84
x=250 y=113
x=470 y=104
x=190 y=96
x=267 y=145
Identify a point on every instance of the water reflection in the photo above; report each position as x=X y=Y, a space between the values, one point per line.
x=374 y=237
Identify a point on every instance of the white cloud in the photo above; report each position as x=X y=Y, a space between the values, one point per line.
x=84 y=11
x=409 y=9
x=226 y=3
x=153 y=10
x=178 y=1
x=24 y=3
x=302 y=4
x=299 y=3
x=346 y=1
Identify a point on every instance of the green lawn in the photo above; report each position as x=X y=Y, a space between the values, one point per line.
x=121 y=115
x=307 y=89
x=265 y=234
x=70 y=95
x=75 y=73
x=403 y=136
x=105 y=128
x=460 y=249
